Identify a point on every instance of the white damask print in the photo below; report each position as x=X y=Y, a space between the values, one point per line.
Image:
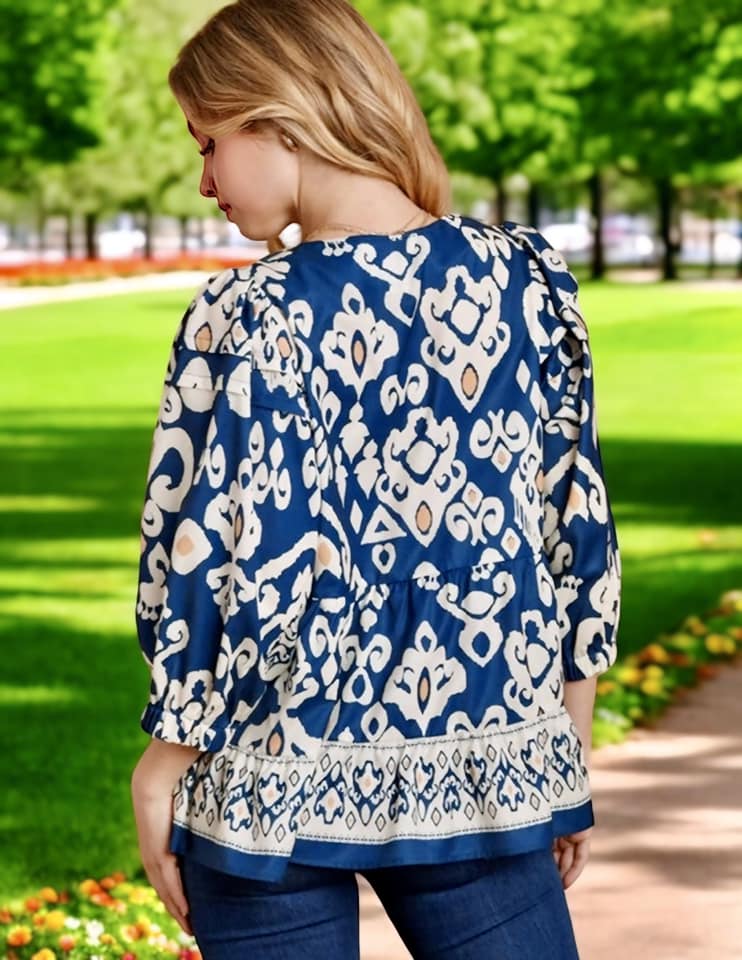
x=375 y=543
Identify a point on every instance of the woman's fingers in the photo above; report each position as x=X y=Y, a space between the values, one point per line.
x=580 y=857
x=153 y=814
x=165 y=878
x=174 y=886
x=566 y=860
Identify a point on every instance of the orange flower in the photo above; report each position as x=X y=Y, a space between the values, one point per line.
x=19 y=936
x=5 y=915
x=49 y=894
x=89 y=886
x=680 y=660
x=32 y=904
x=118 y=876
x=131 y=932
x=101 y=898
x=705 y=671
x=108 y=882
x=67 y=942
x=654 y=653
x=38 y=919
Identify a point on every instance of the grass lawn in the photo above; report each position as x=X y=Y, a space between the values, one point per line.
x=80 y=387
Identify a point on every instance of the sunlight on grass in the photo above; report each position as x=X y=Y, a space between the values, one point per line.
x=81 y=384
x=12 y=695
x=45 y=504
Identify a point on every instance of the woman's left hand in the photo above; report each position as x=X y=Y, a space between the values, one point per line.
x=152 y=783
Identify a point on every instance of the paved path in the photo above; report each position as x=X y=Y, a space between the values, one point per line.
x=664 y=881
x=12 y=296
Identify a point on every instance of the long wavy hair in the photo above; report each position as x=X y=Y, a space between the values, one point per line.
x=317 y=71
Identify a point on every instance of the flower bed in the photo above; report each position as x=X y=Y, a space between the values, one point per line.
x=638 y=687
x=95 y=920
x=73 y=271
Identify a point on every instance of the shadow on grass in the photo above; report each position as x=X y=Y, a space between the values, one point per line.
x=71 y=696
x=70 y=702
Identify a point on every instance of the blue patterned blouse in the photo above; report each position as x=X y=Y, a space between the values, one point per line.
x=375 y=542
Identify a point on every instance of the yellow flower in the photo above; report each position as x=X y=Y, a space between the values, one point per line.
x=44 y=954
x=653 y=688
x=49 y=894
x=716 y=643
x=683 y=641
x=55 y=919
x=19 y=936
x=141 y=895
x=628 y=675
x=605 y=686
x=653 y=672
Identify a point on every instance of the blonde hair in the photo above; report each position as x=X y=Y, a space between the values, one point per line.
x=317 y=71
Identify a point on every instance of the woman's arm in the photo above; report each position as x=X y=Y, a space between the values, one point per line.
x=161 y=766
x=152 y=784
x=579 y=699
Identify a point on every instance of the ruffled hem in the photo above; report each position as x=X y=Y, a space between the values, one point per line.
x=361 y=805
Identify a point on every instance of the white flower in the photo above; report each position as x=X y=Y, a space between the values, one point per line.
x=72 y=923
x=94 y=928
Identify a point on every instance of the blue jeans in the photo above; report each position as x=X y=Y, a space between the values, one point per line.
x=503 y=908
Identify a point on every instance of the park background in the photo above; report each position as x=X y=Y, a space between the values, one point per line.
x=613 y=128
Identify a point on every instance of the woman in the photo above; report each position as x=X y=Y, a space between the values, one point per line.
x=379 y=570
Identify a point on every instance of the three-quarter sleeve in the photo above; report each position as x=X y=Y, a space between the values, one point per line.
x=222 y=579
x=579 y=531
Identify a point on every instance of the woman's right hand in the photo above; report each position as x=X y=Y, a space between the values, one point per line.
x=571 y=853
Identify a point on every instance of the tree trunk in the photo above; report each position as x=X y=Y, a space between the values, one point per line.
x=69 y=232
x=534 y=204
x=664 y=189
x=597 y=265
x=41 y=231
x=711 y=262
x=500 y=201
x=148 y=230
x=91 y=240
x=184 y=234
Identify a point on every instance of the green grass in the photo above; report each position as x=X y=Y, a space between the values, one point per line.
x=80 y=387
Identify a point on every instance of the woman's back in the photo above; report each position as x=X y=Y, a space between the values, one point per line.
x=376 y=541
